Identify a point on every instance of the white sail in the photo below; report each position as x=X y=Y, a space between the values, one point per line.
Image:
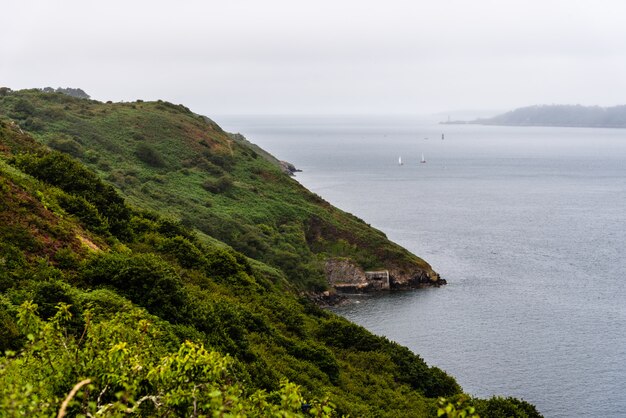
x=423 y=159
x=399 y=160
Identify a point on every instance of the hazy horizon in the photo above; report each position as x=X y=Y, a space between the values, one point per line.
x=322 y=58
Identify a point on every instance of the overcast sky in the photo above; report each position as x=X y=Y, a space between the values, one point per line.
x=321 y=57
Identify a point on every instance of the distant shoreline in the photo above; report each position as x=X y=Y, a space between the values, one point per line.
x=562 y=116
x=544 y=125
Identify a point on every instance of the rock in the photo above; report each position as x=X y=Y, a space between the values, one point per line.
x=346 y=276
x=289 y=168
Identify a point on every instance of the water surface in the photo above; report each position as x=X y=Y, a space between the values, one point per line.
x=528 y=225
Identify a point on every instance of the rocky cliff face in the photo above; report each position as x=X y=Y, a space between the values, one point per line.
x=400 y=278
x=345 y=275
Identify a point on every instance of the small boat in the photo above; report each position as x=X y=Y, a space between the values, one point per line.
x=400 y=161
x=442 y=137
x=423 y=160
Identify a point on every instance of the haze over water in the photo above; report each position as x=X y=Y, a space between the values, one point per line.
x=528 y=225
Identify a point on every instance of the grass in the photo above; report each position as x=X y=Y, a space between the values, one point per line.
x=165 y=158
x=147 y=284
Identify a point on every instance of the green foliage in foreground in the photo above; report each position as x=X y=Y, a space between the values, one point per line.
x=118 y=372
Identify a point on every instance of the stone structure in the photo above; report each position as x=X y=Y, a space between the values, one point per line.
x=346 y=276
x=379 y=279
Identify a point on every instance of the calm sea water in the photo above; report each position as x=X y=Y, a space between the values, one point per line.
x=528 y=225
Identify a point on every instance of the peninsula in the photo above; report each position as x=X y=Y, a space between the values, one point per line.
x=557 y=115
x=152 y=264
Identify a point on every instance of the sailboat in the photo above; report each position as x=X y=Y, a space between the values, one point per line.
x=400 y=161
x=423 y=160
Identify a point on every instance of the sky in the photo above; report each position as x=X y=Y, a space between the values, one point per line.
x=321 y=57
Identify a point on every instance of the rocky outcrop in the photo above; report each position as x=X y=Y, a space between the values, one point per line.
x=345 y=276
x=288 y=168
x=413 y=278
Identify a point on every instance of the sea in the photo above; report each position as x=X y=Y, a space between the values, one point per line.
x=526 y=224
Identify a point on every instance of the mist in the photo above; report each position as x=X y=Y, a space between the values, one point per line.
x=352 y=57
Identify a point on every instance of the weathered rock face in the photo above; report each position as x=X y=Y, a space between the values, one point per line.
x=346 y=276
x=288 y=168
x=343 y=271
x=414 y=278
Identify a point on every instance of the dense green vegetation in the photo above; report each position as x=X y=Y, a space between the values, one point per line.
x=561 y=115
x=108 y=307
x=167 y=159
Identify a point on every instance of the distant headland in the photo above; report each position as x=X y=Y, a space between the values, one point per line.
x=556 y=115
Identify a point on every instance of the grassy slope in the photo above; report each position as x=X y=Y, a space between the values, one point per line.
x=55 y=246
x=163 y=157
x=50 y=255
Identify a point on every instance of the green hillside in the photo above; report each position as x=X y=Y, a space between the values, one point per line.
x=164 y=157
x=110 y=303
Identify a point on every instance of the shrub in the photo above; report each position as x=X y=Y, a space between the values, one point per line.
x=48 y=294
x=319 y=355
x=340 y=333
x=23 y=108
x=222 y=263
x=497 y=407
x=67 y=259
x=10 y=257
x=104 y=302
x=85 y=211
x=431 y=381
x=34 y=124
x=172 y=228
x=149 y=155
x=9 y=333
x=219 y=185
x=187 y=254
x=145 y=279
x=411 y=369
x=72 y=177
x=67 y=146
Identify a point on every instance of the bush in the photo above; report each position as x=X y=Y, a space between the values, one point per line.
x=66 y=259
x=85 y=211
x=9 y=333
x=497 y=407
x=340 y=333
x=319 y=355
x=219 y=185
x=149 y=155
x=67 y=146
x=187 y=254
x=431 y=381
x=23 y=108
x=172 y=228
x=105 y=302
x=72 y=177
x=34 y=124
x=48 y=294
x=222 y=263
x=145 y=279
x=411 y=369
